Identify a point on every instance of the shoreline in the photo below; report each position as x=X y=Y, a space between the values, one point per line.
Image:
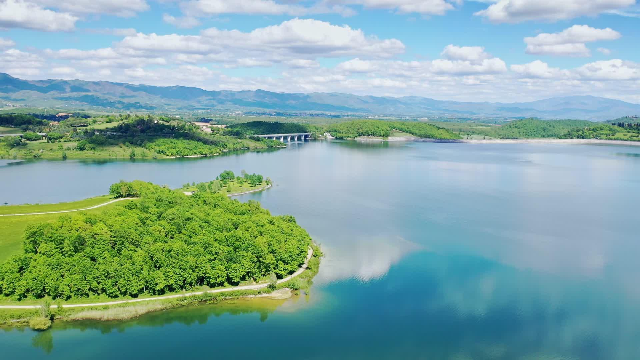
x=260 y=286
x=553 y=141
x=501 y=141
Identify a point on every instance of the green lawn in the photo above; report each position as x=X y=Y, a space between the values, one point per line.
x=37 y=208
x=12 y=227
x=105 y=125
x=8 y=130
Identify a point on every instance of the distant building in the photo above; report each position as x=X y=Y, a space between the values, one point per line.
x=64 y=115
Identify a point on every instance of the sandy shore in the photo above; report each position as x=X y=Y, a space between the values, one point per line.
x=554 y=141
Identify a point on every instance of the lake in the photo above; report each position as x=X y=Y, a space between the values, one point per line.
x=433 y=251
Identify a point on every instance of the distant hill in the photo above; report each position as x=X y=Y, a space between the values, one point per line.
x=103 y=95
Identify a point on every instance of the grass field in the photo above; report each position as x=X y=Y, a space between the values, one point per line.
x=105 y=125
x=8 y=130
x=37 y=208
x=12 y=227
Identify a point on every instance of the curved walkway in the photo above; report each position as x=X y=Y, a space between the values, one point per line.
x=116 y=200
x=176 y=296
x=72 y=210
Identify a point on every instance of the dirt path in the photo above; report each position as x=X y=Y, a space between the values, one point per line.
x=116 y=200
x=72 y=210
x=176 y=296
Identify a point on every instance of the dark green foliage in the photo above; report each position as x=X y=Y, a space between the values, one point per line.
x=532 y=128
x=227 y=175
x=253 y=179
x=163 y=242
x=379 y=128
x=264 y=128
x=54 y=136
x=31 y=136
x=84 y=145
x=11 y=141
x=18 y=120
x=125 y=189
x=606 y=132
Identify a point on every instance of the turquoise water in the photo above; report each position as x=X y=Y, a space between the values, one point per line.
x=433 y=251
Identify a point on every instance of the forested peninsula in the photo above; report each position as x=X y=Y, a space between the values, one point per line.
x=117 y=137
x=163 y=242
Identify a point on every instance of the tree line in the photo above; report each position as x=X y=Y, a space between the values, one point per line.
x=381 y=128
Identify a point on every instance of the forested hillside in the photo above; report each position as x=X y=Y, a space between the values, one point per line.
x=379 y=128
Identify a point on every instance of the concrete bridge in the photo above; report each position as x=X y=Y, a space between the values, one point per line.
x=287 y=137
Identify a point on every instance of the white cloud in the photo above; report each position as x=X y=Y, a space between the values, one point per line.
x=249 y=63
x=298 y=38
x=514 y=11
x=460 y=61
x=124 y=8
x=539 y=69
x=6 y=43
x=253 y=7
x=574 y=50
x=574 y=34
x=20 y=63
x=302 y=63
x=197 y=8
x=615 y=69
x=468 y=53
x=185 y=22
x=604 y=51
x=569 y=42
x=427 y=7
x=25 y=15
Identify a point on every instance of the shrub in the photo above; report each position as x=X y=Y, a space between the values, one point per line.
x=40 y=323
x=31 y=136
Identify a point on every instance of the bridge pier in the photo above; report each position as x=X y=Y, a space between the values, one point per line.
x=281 y=138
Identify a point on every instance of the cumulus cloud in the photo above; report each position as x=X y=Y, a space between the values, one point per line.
x=539 y=69
x=468 y=53
x=341 y=7
x=185 y=22
x=298 y=38
x=200 y=8
x=124 y=8
x=574 y=50
x=615 y=69
x=514 y=11
x=20 y=63
x=569 y=42
x=25 y=15
x=427 y=7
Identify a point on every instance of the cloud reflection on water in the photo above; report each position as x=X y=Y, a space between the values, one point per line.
x=363 y=259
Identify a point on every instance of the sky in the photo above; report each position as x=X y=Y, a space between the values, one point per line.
x=463 y=50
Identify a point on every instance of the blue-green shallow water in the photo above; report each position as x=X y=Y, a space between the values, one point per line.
x=434 y=251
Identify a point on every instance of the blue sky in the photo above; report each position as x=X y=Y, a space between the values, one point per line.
x=493 y=50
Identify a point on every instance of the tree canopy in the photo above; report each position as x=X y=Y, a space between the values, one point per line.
x=162 y=242
x=381 y=128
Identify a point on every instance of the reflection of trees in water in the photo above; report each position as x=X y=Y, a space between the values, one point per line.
x=43 y=340
x=188 y=315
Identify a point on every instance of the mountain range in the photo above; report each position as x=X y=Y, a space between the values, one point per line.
x=112 y=96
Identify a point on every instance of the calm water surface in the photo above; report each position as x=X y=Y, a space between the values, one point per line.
x=433 y=251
